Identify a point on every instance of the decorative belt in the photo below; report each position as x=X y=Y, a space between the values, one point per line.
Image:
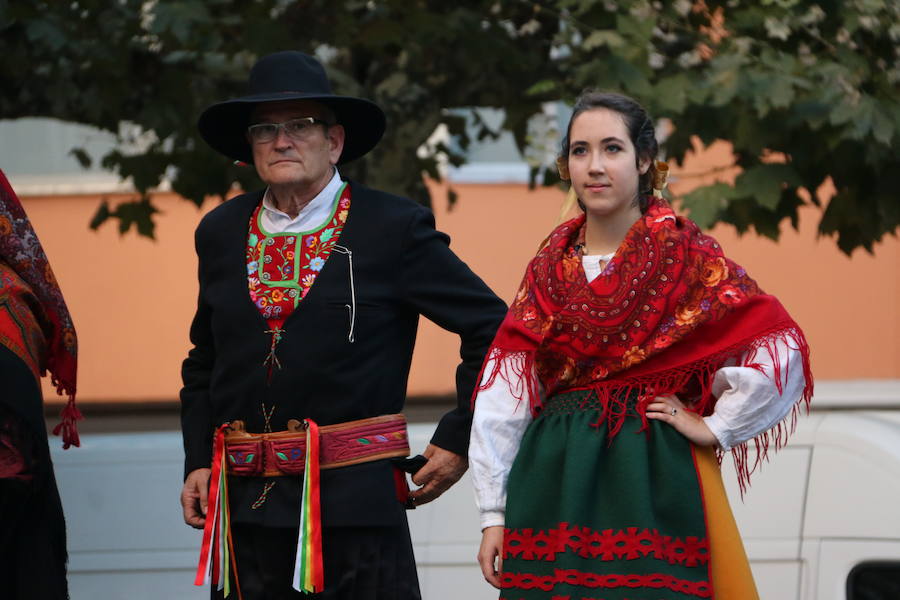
x=340 y=445
x=237 y=452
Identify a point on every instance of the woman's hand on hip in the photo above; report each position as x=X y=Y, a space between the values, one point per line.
x=671 y=410
x=490 y=554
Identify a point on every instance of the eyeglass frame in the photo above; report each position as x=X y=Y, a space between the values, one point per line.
x=282 y=126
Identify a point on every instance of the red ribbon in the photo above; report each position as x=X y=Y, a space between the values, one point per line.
x=315 y=506
x=210 y=529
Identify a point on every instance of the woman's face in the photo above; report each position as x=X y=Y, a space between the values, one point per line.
x=603 y=165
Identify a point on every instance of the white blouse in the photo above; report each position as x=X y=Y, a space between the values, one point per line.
x=748 y=404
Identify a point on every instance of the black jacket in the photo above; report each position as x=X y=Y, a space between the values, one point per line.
x=402 y=267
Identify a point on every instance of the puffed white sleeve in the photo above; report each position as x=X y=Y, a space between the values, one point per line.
x=498 y=425
x=750 y=399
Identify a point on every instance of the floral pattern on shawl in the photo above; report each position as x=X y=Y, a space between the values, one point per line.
x=22 y=251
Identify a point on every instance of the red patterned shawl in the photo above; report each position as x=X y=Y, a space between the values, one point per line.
x=30 y=278
x=668 y=311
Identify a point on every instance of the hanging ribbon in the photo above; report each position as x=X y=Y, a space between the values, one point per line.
x=309 y=575
x=217 y=562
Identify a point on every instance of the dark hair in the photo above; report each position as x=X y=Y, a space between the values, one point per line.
x=640 y=130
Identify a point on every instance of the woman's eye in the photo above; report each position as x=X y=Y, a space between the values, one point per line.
x=577 y=151
x=613 y=148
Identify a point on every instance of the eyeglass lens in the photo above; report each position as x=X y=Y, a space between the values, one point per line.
x=295 y=129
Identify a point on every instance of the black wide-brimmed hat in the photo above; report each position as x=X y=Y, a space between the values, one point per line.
x=283 y=76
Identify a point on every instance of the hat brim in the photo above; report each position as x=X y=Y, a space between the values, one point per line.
x=224 y=125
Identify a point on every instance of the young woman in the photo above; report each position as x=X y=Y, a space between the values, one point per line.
x=634 y=352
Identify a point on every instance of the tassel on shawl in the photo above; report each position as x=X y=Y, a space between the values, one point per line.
x=517 y=370
x=68 y=425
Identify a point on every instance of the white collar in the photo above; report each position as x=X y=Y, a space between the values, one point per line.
x=310 y=217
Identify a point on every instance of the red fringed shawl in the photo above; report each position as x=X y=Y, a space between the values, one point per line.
x=33 y=296
x=666 y=313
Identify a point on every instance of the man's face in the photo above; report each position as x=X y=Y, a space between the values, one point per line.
x=303 y=161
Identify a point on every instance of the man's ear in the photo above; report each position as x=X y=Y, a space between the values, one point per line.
x=336 y=136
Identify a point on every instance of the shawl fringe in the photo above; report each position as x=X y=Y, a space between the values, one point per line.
x=517 y=370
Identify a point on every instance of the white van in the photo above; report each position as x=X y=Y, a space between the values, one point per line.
x=821 y=521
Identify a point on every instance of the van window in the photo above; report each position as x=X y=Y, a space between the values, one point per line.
x=874 y=581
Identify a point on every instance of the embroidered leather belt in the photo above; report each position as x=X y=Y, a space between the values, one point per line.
x=340 y=445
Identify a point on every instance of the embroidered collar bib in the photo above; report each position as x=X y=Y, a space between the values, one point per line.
x=282 y=267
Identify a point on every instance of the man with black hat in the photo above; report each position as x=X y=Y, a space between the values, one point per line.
x=310 y=294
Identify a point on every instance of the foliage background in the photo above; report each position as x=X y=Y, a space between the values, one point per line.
x=804 y=91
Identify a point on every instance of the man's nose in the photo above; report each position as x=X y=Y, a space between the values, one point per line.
x=282 y=140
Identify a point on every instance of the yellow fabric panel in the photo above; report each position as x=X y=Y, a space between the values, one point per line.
x=730 y=570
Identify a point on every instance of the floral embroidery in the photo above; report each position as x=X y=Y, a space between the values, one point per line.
x=714 y=271
x=665 y=280
x=606 y=545
x=574 y=577
x=282 y=268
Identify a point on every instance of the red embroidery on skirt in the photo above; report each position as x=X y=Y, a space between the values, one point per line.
x=527 y=581
x=630 y=543
x=563 y=598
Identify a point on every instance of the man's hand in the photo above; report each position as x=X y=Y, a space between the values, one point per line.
x=490 y=554
x=443 y=469
x=194 y=497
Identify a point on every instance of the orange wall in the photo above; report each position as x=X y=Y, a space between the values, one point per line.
x=132 y=298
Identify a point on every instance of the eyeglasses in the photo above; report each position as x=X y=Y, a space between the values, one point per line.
x=296 y=129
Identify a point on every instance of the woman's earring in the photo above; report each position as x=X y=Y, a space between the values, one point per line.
x=660 y=174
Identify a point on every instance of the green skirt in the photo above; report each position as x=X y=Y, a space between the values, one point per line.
x=592 y=518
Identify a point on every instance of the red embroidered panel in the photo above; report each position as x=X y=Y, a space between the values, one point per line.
x=567 y=598
x=527 y=581
x=628 y=544
x=282 y=267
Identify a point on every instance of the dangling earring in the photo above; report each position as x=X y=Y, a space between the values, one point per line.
x=660 y=174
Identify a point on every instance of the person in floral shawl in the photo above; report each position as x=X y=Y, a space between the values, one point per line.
x=36 y=337
x=634 y=353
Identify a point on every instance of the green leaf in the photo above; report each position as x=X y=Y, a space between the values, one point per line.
x=137 y=214
x=81 y=155
x=765 y=183
x=671 y=93
x=882 y=127
x=46 y=31
x=705 y=203
x=452 y=198
x=541 y=88
x=103 y=213
x=635 y=28
x=603 y=38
